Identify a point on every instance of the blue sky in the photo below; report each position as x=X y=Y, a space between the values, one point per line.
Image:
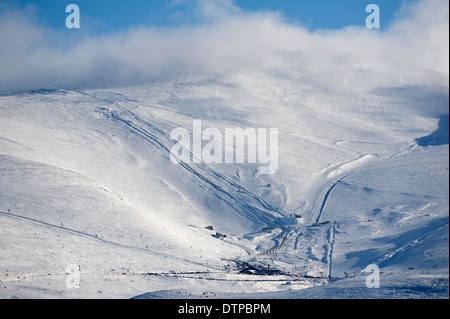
x=103 y=16
x=37 y=50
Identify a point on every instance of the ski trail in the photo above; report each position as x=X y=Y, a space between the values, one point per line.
x=275 y=248
x=386 y=257
x=208 y=168
x=325 y=198
x=331 y=239
x=128 y=118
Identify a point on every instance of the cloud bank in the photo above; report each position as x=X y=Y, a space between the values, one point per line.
x=225 y=39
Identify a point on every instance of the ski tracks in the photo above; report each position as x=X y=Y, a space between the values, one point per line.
x=153 y=134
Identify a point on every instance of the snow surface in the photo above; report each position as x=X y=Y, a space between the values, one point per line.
x=86 y=179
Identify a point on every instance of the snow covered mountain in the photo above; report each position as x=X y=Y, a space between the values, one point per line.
x=88 y=189
x=86 y=179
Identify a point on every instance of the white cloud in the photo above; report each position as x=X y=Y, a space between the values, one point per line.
x=227 y=40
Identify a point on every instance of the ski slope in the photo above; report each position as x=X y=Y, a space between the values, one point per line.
x=86 y=179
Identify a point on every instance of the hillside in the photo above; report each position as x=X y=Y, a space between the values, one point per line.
x=86 y=179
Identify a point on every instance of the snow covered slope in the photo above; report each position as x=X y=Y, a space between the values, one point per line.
x=92 y=206
x=86 y=179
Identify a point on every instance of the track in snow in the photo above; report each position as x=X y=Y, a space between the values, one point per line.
x=95 y=237
x=251 y=203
